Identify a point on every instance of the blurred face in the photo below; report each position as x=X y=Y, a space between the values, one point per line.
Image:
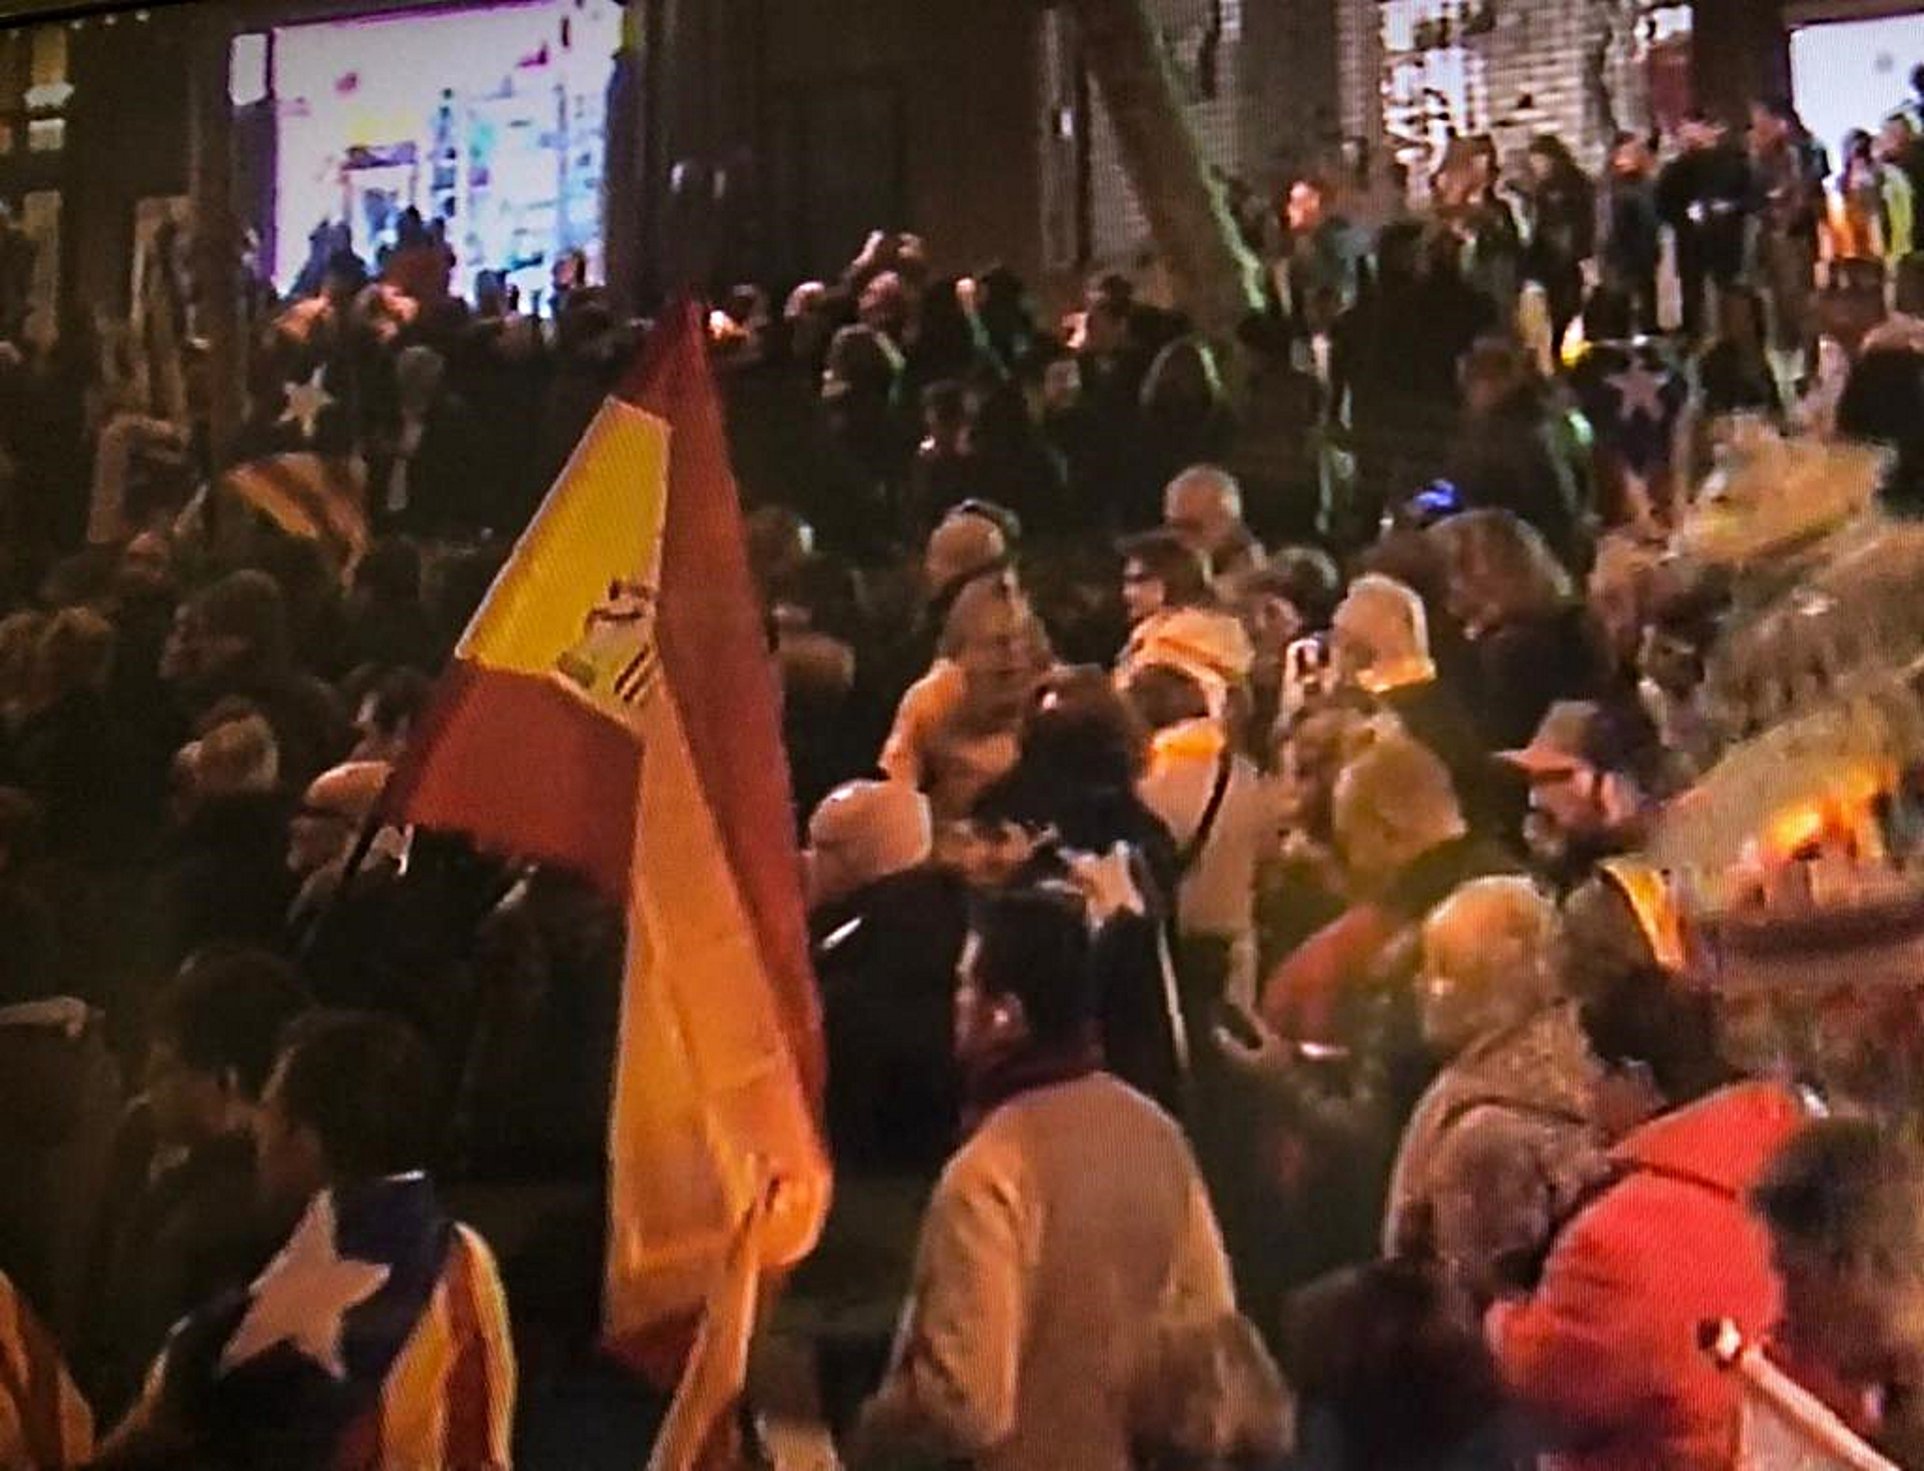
x=371 y=742
x=1142 y=594
x=189 y=1106
x=1198 y=513
x=1306 y=769
x=1540 y=166
x=1626 y=1099
x=1304 y=209
x=145 y=567
x=884 y=305
x=185 y=654
x=1452 y=1012
x=1104 y=330
x=1273 y=625
x=1566 y=807
x=290 y=1165
x=1841 y=1314
x=1700 y=134
x=1061 y=385
x=1767 y=130
x=996 y=660
x=1668 y=662
x=1631 y=159
x=315 y=839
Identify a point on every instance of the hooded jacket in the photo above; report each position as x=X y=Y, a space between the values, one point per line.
x=1605 y=1352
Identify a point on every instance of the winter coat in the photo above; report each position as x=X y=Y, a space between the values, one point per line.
x=1606 y=1350
x=59 y=1101
x=1499 y=1151
x=885 y=957
x=224 y=877
x=1045 y=1275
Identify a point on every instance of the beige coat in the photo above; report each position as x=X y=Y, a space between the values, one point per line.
x=1061 y=1237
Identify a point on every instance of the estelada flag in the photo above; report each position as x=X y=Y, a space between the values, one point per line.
x=612 y=709
x=318 y=498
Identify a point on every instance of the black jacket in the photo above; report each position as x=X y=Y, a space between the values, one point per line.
x=885 y=958
x=224 y=877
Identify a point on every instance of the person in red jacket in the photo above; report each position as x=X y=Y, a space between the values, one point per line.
x=1602 y=1357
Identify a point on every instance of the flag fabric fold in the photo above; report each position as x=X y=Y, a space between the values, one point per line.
x=43 y=1419
x=613 y=709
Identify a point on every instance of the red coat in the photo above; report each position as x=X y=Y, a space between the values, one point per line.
x=1606 y=1351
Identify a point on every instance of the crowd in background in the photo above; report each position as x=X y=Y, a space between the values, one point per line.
x=1255 y=728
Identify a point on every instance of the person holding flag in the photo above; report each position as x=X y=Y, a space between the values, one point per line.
x=612 y=710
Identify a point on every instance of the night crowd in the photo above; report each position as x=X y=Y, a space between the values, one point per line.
x=1219 y=768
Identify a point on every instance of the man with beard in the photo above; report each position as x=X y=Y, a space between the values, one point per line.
x=1585 y=803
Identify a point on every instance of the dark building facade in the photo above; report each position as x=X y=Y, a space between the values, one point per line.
x=764 y=138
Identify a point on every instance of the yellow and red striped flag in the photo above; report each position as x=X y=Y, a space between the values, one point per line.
x=612 y=708
x=43 y=1420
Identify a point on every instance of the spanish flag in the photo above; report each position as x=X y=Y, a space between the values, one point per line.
x=612 y=708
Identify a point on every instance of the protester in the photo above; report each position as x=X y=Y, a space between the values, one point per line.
x=1841 y=1203
x=956 y=730
x=1704 y=195
x=1586 y=803
x=1563 y=233
x=377 y=1294
x=1603 y=1351
x=1279 y=779
x=1005 y=1356
x=1224 y=820
x=184 y=1224
x=1632 y=244
x=1501 y=1147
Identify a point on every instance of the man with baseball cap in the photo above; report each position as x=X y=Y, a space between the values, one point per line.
x=1586 y=804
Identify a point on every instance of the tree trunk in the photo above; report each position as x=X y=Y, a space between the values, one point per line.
x=1216 y=277
x=216 y=237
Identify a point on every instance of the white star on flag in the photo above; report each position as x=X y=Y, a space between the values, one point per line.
x=1641 y=391
x=303 y=1295
x=1108 y=883
x=306 y=402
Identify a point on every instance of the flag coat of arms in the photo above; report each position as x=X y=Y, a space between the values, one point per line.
x=612 y=709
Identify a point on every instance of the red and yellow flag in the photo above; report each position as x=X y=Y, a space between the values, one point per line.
x=612 y=708
x=43 y=1419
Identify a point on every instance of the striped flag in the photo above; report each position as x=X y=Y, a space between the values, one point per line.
x=44 y=1423
x=318 y=498
x=379 y=1335
x=449 y=1399
x=612 y=709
